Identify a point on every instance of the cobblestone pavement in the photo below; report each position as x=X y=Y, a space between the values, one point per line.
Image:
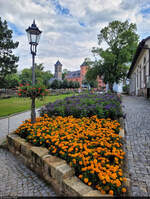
x=17 y=180
x=137 y=125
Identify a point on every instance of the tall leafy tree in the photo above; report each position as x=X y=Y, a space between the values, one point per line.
x=64 y=73
x=7 y=59
x=121 y=40
x=12 y=80
x=42 y=77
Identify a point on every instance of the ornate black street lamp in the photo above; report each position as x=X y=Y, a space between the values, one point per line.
x=33 y=34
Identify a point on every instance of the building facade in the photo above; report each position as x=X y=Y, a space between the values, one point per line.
x=79 y=76
x=139 y=72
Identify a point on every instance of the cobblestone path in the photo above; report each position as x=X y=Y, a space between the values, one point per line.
x=17 y=180
x=137 y=124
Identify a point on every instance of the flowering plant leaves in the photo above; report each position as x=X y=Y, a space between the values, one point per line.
x=35 y=91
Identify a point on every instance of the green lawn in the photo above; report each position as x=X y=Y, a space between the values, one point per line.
x=18 y=104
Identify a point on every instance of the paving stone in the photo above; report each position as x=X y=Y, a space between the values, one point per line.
x=137 y=124
x=18 y=180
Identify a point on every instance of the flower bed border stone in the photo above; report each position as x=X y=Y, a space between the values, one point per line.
x=54 y=170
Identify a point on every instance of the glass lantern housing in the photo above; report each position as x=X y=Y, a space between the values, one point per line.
x=33 y=34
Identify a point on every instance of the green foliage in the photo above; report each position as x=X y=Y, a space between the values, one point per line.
x=64 y=73
x=126 y=88
x=57 y=84
x=42 y=77
x=7 y=59
x=12 y=80
x=122 y=40
x=26 y=76
x=90 y=81
x=32 y=91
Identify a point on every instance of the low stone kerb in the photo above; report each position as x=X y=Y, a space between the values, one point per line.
x=53 y=169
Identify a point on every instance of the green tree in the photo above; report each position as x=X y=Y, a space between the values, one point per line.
x=42 y=77
x=76 y=85
x=12 y=80
x=7 y=59
x=26 y=76
x=56 y=84
x=47 y=75
x=39 y=67
x=64 y=73
x=121 y=40
x=65 y=83
x=90 y=82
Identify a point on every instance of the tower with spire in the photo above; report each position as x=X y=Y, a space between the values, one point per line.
x=58 y=70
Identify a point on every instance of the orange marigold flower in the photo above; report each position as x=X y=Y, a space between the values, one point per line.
x=80 y=162
x=111 y=192
x=86 y=180
x=124 y=190
x=103 y=192
x=80 y=176
x=89 y=183
x=124 y=179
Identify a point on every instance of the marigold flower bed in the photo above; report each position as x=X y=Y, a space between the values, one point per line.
x=91 y=146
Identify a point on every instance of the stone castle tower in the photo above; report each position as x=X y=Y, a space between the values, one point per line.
x=58 y=70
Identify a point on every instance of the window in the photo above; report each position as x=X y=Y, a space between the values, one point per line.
x=140 y=79
x=144 y=61
x=144 y=76
x=137 y=79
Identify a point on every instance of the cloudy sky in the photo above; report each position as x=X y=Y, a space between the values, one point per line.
x=70 y=27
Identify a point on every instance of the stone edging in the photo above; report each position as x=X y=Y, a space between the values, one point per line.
x=53 y=169
x=123 y=132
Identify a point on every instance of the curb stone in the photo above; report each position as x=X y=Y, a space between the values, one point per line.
x=128 y=182
x=3 y=143
x=53 y=169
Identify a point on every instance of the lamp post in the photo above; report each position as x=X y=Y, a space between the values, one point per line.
x=33 y=34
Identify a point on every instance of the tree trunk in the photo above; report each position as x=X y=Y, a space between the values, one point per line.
x=33 y=113
x=110 y=85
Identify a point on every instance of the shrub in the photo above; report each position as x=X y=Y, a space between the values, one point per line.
x=86 y=105
x=58 y=84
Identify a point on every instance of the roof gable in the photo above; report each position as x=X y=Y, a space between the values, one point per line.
x=137 y=53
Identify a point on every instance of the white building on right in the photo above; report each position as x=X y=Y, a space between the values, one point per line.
x=139 y=72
